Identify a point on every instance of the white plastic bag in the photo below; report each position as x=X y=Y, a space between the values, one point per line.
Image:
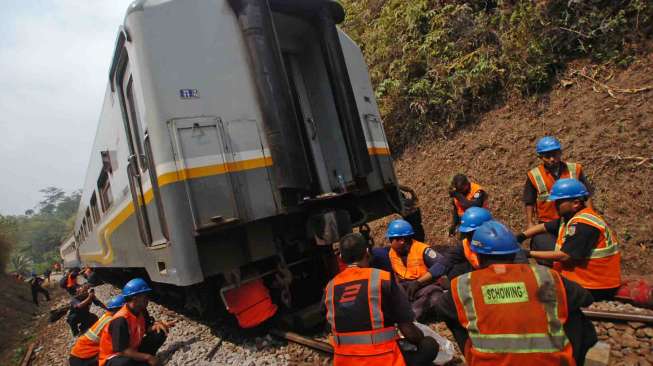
x=447 y=349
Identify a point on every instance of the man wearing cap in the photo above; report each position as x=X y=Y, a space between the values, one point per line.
x=132 y=338
x=414 y=263
x=586 y=249
x=540 y=180
x=512 y=313
x=80 y=317
x=464 y=195
x=87 y=347
x=461 y=258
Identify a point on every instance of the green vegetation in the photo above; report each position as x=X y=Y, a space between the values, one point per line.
x=33 y=239
x=437 y=64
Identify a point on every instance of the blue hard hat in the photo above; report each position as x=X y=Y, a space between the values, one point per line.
x=135 y=287
x=473 y=218
x=116 y=302
x=567 y=188
x=399 y=228
x=547 y=143
x=494 y=238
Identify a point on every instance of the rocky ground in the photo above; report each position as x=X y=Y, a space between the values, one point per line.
x=192 y=342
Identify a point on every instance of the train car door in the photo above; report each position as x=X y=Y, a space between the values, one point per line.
x=141 y=169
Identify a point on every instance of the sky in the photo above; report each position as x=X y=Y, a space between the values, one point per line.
x=54 y=66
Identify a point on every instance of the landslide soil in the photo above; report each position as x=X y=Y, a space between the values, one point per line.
x=612 y=136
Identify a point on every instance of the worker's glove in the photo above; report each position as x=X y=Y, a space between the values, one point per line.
x=412 y=288
x=521 y=237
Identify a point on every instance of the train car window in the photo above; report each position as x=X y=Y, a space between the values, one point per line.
x=85 y=227
x=104 y=187
x=106 y=161
x=94 y=210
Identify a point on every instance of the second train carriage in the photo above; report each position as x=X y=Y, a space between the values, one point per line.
x=233 y=134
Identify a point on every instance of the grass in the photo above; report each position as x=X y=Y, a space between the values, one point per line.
x=436 y=65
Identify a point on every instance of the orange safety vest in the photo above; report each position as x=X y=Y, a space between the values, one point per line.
x=250 y=303
x=602 y=270
x=360 y=336
x=414 y=267
x=472 y=257
x=474 y=188
x=88 y=345
x=137 y=330
x=71 y=281
x=505 y=319
x=543 y=181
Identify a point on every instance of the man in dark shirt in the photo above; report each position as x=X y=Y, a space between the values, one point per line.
x=80 y=317
x=395 y=306
x=424 y=291
x=119 y=329
x=35 y=283
x=579 y=232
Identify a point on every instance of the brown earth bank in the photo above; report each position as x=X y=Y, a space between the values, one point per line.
x=604 y=119
x=21 y=320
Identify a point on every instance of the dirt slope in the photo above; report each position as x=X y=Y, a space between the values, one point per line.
x=611 y=137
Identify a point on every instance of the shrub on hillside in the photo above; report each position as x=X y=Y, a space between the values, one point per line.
x=436 y=64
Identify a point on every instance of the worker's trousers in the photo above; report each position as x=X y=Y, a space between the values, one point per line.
x=150 y=344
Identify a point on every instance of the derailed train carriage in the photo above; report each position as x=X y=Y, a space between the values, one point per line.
x=237 y=138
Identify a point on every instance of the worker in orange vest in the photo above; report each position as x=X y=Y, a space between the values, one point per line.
x=586 y=249
x=510 y=313
x=250 y=303
x=461 y=258
x=71 y=281
x=132 y=338
x=538 y=208
x=415 y=264
x=364 y=307
x=87 y=347
x=464 y=194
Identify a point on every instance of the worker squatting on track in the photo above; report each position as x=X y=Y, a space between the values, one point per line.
x=364 y=307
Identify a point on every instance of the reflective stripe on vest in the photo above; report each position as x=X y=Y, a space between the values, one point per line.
x=553 y=341
x=382 y=336
x=611 y=245
x=94 y=332
x=374 y=296
x=540 y=184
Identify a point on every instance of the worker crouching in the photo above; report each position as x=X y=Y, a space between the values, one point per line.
x=87 y=347
x=132 y=338
x=364 y=307
x=415 y=264
x=586 y=249
x=508 y=313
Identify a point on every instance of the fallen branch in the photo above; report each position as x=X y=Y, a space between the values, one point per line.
x=28 y=356
x=611 y=90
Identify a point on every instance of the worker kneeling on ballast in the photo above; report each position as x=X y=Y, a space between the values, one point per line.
x=86 y=349
x=132 y=337
x=510 y=313
x=364 y=307
x=586 y=249
x=415 y=264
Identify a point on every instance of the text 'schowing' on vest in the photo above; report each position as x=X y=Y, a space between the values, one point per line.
x=514 y=314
